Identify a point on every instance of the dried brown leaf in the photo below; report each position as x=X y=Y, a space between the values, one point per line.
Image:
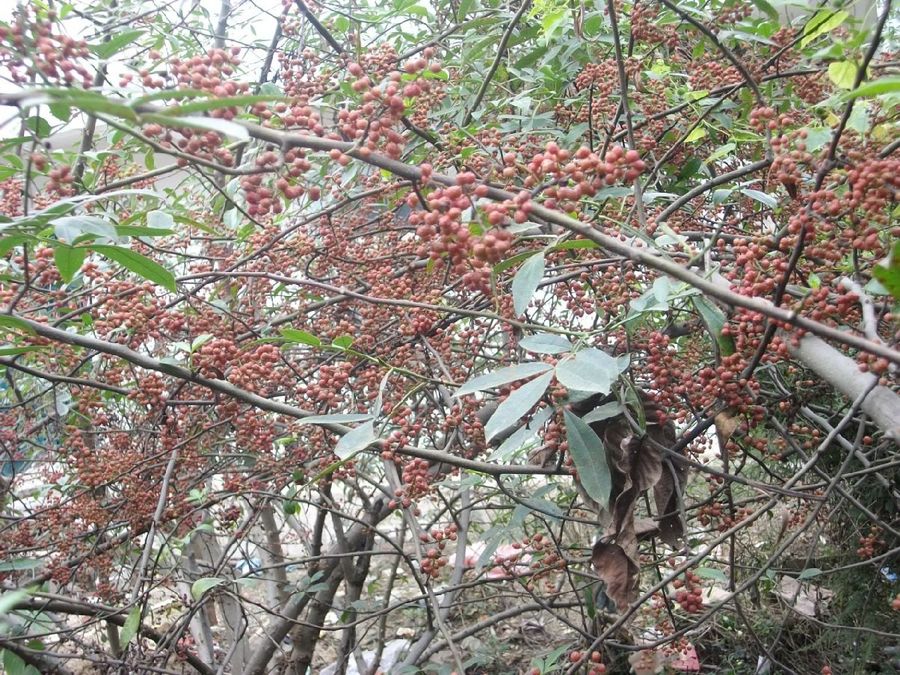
x=727 y=424
x=618 y=571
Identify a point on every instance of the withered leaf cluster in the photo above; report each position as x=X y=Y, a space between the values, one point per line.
x=637 y=463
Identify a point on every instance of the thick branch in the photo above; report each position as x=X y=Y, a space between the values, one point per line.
x=842 y=373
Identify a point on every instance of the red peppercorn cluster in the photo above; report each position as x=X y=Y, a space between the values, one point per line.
x=733 y=13
x=546 y=560
x=870 y=543
x=435 y=559
x=571 y=176
x=595 y=663
x=209 y=72
x=645 y=26
x=689 y=593
x=30 y=49
x=445 y=233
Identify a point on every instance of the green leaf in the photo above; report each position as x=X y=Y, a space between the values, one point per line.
x=90 y=102
x=721 y=151
x=60 y=111
x=19 y=564
x=526 y=281
x=220 y=126
x=131 y=625
x=199 y=587
x=545 y=343
x=18 y=351
x=139 y=264
x=38 y=126
x=13 y=663
x=107 y=49
x=589 y=455
x=336 y=418
x=301 y=337
x=711 y=573
x=160 y=220
x=888 y=272
x=884 y=85
x=356 y=440
x=15 y=322
x=572 y=244
x=843 y=73
x=223 y=102
x=590 y=370
x=342 y=341
x=68 y=228
x=524 y=435
x=765 y=7
x=464 y=7
x=137 y=231
x=809 y=573
x=8 y=601
x=501 y=377
x=604 y=412
x=761 y=197
x=516 y=405
x=697 y=133
x=553 y=20
x=9 y=243
x=69 y=260
x=823 y=22
x=512 y=261
x=715 y=320
x=616 y=191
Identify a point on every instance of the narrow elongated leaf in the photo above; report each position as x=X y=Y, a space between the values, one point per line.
x=19 y=564
x=823 y=22
x=589 y=455
x=337 y=418
x=222 y=102
x=590 y=370
x=105 y=50
x=8 y=601
x=711 y=573
x=301 y=336
x=526 y=281
x=16 y=351
x=523 y=436
x=137 y=231
x=69 y=260
x=546 y=343
x=883 y=85
x=761 y=197
x=16 y=323
x=714 y=318
x=140 y=265
x=356 y=440
x=604 y=412
x=199 y=587
x=516 y=405
x=501 y=377
x=69 y=228
x=220 y=126
x=764 y=6
x=133 y=623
